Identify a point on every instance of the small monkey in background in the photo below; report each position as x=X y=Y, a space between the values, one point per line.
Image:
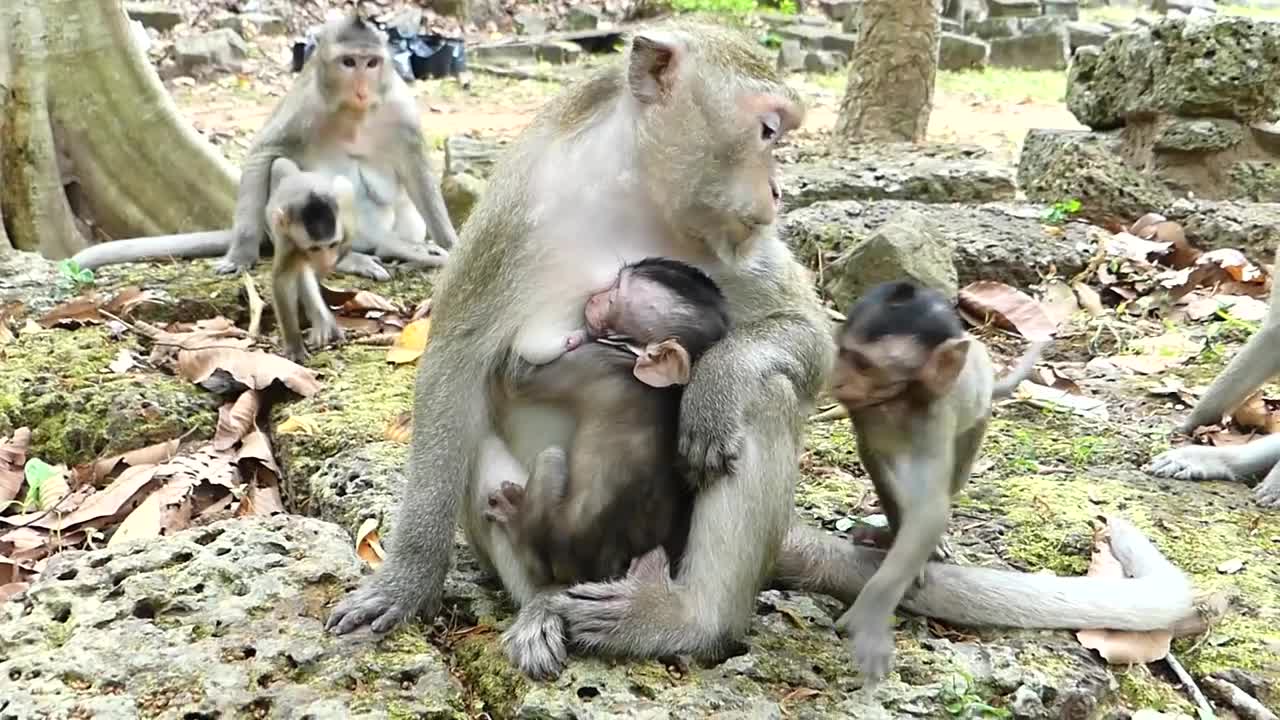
x=310 y=219
x=619 y=495
x=1256 y=363
x=347 y=114
x=918 y=389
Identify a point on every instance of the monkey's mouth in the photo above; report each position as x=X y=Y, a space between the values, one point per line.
x=775 y=191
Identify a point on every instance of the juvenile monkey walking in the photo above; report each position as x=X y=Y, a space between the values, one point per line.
x=310 y=220
x=618 y=495
x=347 y=114
x=918 y=389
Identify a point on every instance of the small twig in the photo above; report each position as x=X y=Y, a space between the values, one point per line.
x=256 y=306
x=835 y=412
x=1203 y=708
x=379 y=340
x=1245 y=705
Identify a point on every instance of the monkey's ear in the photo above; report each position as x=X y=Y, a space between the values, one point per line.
x=663 y=364
x=944 y=365
x=281 y=168
x=279 y=219
x=652 y=65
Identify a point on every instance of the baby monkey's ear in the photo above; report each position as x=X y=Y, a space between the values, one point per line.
x=663 y=364
x=944 y=365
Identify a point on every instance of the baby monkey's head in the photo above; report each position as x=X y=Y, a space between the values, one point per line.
x=670 y=308
x=899 y=340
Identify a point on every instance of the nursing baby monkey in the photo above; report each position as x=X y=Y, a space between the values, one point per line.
x=1256 y=363
x=310 y=219
x=918 y=389
x=619 y=495
x=347 y=114
x=666 y=153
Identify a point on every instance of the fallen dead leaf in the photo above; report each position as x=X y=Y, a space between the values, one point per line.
x=123 y=363
x=13 y=457
x=236 y=419
x=8 y=590
x=1055 y=399
x=1010 y=308
x=400 y=429
x=1240 y=307
x=1119 y=647
x=143 y=523
x=357 y=302
x=297 y=425
x=1234 y=263
x=254 y=369
x=798 y=694
x=411 y=342
x=1089 y=299
x=1157 y=354
x=72 y=314
x=129 y=298
x=368 y=545
x=1131 y=247
x=110 y=502
x=1258 y=412
x=95 y=473
x=1059 y=302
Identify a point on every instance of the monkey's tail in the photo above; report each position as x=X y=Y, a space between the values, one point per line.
x=1005 y=386
x=211 y=243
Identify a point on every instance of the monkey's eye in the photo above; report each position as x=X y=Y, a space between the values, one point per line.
x=349 y=62
x=373 y=62
x=770 y=123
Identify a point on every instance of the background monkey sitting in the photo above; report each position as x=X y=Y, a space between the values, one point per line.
x=310 y=220
x=918 y=389
x=1256 y=363
x=348 y=113
x=619 y=495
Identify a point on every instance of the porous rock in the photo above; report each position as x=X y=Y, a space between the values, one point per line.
x=584 y=18
x=1048 y=49
x=1007 y=241
x=250 y=22
x=154 y=15
x=1199 y=135
x=474 y=156
x=1069 y=9
x=1013 y=8
x=1253 y=228
x=1166 y=69
x=1058 y=165
x=958 y=52
x=937 y=173
x=1083 y=33
x=791 y=56
x=221 y=48
x=216 y=621
x=1255 y=180
x=907 y=246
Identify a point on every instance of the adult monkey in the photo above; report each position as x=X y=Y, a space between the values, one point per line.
x=348 y=113
x=1256 y=363
x=668 y=153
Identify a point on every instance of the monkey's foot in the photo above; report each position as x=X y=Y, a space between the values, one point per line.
x=369 y=605
x=871 y=645
x=1193 y=463
x=362 y=265
x=235 y=264
x=326 y=335
x=505 y=503
x=651 y=566
x=1267 y=494
x=597 y=615
x=535 y=641
x=711 y=431
x=299 y=354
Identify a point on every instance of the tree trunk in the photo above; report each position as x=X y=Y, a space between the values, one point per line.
x=890 y=89
x=91 y=144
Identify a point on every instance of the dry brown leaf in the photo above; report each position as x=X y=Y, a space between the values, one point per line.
x=1156 y=354
x=1131 y=247
x=1010 y=308
x=368 y=545
x=254 y=369
x=55 y=488
x=72 y=314
x=359 y=325
x=95 y=473
x=1059 y=302
x=400 y=429
x=9 y=311
x=1234 y=263
x=8 y=590
x=141 y=524
x=1119 y=647
x=297 y=425
x=1258 y=412
x=411 y=342
x=256 y=446
x=798 y=694
x=1201 y=306
x=1144 y=227
x=357 y=302
x=262 y=497
x=423 y=310
x=237 y=419
x=110 y=502
x=13 y=458
x=1089 y=299
x=130 y=297
x=123 y=363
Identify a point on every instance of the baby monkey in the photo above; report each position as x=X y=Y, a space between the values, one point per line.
x=919 y=391
x=617 y=494
x=310 y=218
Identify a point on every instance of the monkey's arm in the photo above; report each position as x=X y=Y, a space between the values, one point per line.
x=1256 y=363
x=565 y=376
x=414 y=171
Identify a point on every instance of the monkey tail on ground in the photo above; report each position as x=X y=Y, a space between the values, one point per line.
x=1158 y=597
x=1005 y=386
x=211 y=243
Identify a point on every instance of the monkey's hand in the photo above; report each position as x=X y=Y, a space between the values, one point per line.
x=241 y=256
x=362 y=265
x=1267 y=493
x=712 y=420
x=371 y=604
x=1193 y=463
x=870 y=642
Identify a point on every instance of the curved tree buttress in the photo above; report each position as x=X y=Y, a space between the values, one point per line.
x=91 y=145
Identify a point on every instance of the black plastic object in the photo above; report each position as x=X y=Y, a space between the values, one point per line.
x=430 y=55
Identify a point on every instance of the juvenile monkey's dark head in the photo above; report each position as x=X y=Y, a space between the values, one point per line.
x=354 y=64
x=672 y=309
x=711 y=111
x=899 y=340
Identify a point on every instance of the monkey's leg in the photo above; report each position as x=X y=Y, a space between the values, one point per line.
x=1256 y=363
x=738 y=524
x=407 y=239
x=1198 y=462
x=1157 y=597
x=324 y=326
x=1267 y=494
x=249 y=225
x=285 y=282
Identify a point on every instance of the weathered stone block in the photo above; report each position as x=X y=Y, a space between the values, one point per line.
x=840 y=42
x=1255 y=180
x=1083 y=33
x=939 y=173
x=217 y=48
x=791 y=56
x=838 y=10
x=583 y=18
x=1013 y=8
x=529 y=23
x=1069 y=9
x=993 y=28
x=906 y=247
x=809 y=36
x=1057 y=165
x=824 y=61
x=251 y=22
x=1223 y=67
x=1199 y=136
x=154 y=15
x=957 y=52
x=1039 y=51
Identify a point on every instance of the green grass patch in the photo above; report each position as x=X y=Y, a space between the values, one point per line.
x=1005 y=85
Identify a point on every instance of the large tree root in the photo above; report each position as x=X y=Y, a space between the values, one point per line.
x=90 y=141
